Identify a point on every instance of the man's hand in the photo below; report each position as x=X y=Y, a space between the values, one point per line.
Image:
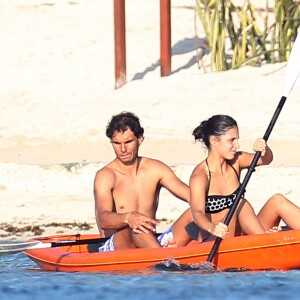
x=139 y=223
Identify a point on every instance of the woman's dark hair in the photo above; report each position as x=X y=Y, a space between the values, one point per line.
x=216 y=126
x=122 y=122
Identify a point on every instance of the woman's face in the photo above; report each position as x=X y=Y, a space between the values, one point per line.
x=227 y=144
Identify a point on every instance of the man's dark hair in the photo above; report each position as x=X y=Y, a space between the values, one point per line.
x=122 y=122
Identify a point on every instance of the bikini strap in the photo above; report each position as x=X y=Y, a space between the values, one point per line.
x=209 y=174
x=235 y=171
x=238 y=176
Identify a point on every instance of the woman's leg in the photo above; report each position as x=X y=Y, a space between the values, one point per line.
x=181 y=237
x=279 y=207
x=249 y=222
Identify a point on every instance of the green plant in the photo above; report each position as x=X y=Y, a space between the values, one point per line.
x=240 y=35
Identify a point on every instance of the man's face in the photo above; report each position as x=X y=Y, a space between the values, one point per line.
x=126 y=146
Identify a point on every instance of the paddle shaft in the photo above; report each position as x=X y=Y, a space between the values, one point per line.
x=43 y=243
x=76 y=242
x=243 y=185
x=80 y=242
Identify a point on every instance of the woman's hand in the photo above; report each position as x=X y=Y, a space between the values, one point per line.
x=219 y=230
x=260 y=145
x=274 y=229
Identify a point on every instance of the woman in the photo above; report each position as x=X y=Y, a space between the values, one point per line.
x=215 y=181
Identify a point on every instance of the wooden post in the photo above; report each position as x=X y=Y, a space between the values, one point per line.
x=120 y=43
x=165 y=37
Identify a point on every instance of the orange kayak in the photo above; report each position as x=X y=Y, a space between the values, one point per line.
x=272 y=251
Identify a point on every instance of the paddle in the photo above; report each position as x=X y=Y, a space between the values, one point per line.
x=12 y=248
x=291 y=80
x=22 y=246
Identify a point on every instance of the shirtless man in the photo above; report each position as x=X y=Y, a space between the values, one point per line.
x=127 y=190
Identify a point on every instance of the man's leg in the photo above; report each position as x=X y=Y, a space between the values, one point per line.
x=125 y=238
x=145 y=240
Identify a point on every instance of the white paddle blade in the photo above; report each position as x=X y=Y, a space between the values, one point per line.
x=6 y=249
x=292 y=78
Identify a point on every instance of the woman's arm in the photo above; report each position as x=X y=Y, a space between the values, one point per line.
x=245 y=158
x=198 y=187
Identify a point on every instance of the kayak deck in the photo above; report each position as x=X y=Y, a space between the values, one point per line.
x=272 y=251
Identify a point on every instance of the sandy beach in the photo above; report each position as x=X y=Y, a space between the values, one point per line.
x=57 y=95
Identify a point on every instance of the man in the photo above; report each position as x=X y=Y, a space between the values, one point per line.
x=127 y=190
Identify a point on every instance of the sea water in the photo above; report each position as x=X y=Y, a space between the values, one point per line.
x=20 y=278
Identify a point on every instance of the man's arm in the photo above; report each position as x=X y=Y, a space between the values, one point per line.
x=105 y=216
x=173 y=184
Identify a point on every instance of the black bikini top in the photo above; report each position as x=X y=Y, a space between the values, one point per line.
x=217 y=203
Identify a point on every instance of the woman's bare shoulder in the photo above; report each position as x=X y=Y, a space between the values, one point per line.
x=237 y=161
x=200 y=169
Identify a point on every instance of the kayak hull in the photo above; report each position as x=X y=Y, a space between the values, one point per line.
x=272 y=251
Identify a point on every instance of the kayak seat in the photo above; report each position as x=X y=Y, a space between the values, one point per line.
x=94 y=247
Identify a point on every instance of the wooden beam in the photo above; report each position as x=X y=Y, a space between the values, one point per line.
x=165 y=37
x=120 y=43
